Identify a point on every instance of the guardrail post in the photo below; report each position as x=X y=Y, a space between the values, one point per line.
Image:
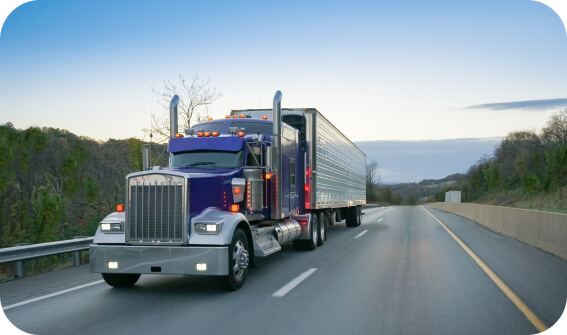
x=19 y=269
x=76 y=258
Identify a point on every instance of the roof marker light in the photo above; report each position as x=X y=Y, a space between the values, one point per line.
x=200 y=134
x=234 y=116
x=207 y=134
x=177 y=135
x=209 y=119
x=240 y=133
x=120 y=208
x=242 y=116
x=215 y=133
x=264 y=117
x=227 y=116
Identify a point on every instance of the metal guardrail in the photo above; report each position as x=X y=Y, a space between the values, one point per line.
x=19 y=254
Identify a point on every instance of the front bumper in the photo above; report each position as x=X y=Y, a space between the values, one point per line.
x=159 y=259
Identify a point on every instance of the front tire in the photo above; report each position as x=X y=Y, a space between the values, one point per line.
x=238 y=260
x=120 y=279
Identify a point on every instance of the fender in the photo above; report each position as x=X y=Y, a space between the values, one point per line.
x=111 y=237
x=227 y=221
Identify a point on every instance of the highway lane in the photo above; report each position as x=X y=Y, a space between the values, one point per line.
x=404 y=275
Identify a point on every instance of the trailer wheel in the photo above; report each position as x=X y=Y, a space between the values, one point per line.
x=358 y=215
x=238 y=259
x=322 y=231
x=310 y=244
x=351 y=217
x=120 y=279
x=331 y=219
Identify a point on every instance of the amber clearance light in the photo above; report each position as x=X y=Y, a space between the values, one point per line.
x=120 y=208
x=234 y=208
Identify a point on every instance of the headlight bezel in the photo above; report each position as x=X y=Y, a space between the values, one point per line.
x=112 y=227
x=207 y=228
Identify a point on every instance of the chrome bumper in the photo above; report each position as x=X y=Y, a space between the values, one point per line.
x=159 y=259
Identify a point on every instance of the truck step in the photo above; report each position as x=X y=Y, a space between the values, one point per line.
x=264 y=242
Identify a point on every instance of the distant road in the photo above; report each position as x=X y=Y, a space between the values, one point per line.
x=400 y=272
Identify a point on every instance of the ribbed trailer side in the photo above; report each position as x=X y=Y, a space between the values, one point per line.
x=336 y=168
x=340 y=168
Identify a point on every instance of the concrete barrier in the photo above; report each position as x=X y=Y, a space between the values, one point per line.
x=544 y=230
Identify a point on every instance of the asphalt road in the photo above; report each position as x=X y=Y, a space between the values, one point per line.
x=400 y=272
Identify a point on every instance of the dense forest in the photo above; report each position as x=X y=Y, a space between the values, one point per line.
x=55 y=185
x=526 y=168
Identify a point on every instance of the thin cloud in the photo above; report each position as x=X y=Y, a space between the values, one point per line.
x=526 y=105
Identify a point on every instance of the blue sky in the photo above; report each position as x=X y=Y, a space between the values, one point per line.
x=380 y=70
x=414 y=161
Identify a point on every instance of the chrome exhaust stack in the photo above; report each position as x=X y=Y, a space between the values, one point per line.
x=173 y=116
x=276 y=212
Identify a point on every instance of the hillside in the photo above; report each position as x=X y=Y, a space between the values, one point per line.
x=56 y=185
x=526 y=170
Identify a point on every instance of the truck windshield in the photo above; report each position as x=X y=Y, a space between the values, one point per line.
x=207 y=159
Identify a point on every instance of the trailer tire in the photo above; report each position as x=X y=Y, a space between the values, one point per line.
x=358 y=215
x=351 y=217
x=120 y=279
x=312 y=242
x=238 y=261
x=322 y=228
x=331 y=219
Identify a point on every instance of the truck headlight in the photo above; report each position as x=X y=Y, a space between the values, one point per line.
x=207 y=228
x=111 y=227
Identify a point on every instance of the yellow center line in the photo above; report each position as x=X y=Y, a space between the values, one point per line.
x=540 y=326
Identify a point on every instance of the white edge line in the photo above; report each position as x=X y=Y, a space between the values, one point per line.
x=380 y=219
x=51 y=295
x=357 y=236
x=289 y=286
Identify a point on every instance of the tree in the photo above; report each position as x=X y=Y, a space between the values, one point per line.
x=372 y=178
x=194 y=99
x=555 y=131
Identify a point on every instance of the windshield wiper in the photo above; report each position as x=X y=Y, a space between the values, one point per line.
x=202 y=163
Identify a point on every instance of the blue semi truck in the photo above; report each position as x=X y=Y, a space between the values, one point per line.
x=236 y=189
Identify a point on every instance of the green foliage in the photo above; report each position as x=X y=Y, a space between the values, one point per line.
x=55 y=185
x=48 y=214
x=524 y=161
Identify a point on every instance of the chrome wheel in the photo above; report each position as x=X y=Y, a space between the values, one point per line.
x=239 y=259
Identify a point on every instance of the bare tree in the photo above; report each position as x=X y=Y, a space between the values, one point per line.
x=194 y=98
x=555 y=130
x=372 y=178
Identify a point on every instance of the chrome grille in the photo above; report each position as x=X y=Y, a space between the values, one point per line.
x=156 y=209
